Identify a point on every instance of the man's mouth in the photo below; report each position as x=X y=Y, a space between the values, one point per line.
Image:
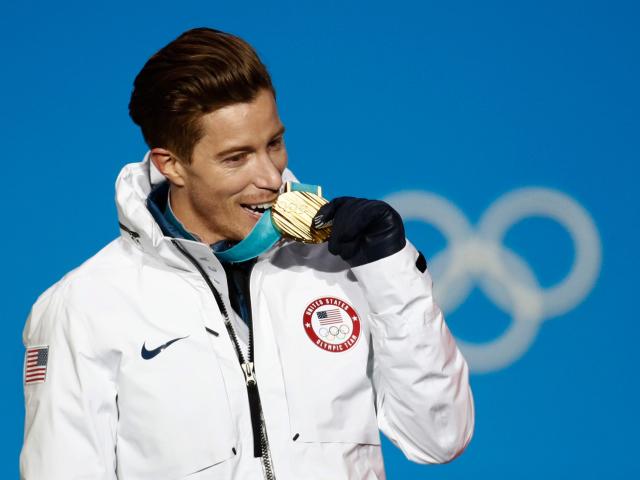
x=257 y=208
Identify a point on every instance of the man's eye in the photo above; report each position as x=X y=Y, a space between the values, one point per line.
x=276 y=143
x=235 y=158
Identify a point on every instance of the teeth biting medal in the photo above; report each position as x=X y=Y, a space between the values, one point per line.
x=293 y=213
x=291 y=217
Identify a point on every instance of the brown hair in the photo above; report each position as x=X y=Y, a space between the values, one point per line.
x=200 y=71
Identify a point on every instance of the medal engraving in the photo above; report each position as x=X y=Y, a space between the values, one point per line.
x=293 y=215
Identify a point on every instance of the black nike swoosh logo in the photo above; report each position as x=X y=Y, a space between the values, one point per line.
x=149 y=354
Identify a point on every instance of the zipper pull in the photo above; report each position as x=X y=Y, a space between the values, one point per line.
x=249 y=373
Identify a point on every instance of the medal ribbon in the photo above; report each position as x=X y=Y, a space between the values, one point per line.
x=262 y=236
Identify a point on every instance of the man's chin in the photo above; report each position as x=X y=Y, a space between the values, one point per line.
x=243 y=232
x=243 y=226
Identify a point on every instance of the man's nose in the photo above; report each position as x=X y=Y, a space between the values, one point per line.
x=269 y=175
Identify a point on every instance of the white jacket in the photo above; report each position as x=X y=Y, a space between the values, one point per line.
x=105 y=412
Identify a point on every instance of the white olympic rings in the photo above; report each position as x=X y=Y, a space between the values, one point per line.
x=478 y=256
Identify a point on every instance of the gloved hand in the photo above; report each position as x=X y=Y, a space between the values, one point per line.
x=363 y=230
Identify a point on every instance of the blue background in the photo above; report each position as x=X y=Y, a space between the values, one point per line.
x=468 y=100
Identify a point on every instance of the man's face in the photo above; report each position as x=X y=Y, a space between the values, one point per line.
x=236 y=168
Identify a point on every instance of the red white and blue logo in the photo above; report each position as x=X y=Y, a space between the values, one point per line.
x=35 y=364
x=331 y=324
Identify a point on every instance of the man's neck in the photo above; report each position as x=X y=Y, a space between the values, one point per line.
x=188 y=224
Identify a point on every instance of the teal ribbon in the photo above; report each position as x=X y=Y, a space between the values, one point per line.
x=262 y=236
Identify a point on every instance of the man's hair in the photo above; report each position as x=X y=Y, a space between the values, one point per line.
x=200 y=71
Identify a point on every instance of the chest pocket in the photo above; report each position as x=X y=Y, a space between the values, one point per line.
x=174 y=418
x=323 y=340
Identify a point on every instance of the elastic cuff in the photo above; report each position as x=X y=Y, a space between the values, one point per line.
x=393 y=281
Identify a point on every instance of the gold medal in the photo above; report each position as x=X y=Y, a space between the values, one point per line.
x=293 y=214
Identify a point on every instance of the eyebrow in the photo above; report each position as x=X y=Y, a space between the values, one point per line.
x=247 y=148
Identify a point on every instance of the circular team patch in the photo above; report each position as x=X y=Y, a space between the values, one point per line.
x=331 y=324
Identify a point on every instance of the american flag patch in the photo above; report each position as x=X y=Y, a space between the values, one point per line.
x=35 y=368
x=330 y=316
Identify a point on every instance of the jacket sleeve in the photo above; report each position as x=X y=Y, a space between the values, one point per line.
x=71 y=417
x=423 y=398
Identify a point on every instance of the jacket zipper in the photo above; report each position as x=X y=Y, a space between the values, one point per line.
x=260 y=439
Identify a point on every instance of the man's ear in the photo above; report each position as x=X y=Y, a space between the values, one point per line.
x=169 y=166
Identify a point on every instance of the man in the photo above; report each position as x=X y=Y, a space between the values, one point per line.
x=163 y=357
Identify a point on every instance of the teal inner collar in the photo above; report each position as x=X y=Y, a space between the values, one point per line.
x=170 y=216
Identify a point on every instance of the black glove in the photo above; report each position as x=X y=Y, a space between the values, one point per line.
x=363 y=230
